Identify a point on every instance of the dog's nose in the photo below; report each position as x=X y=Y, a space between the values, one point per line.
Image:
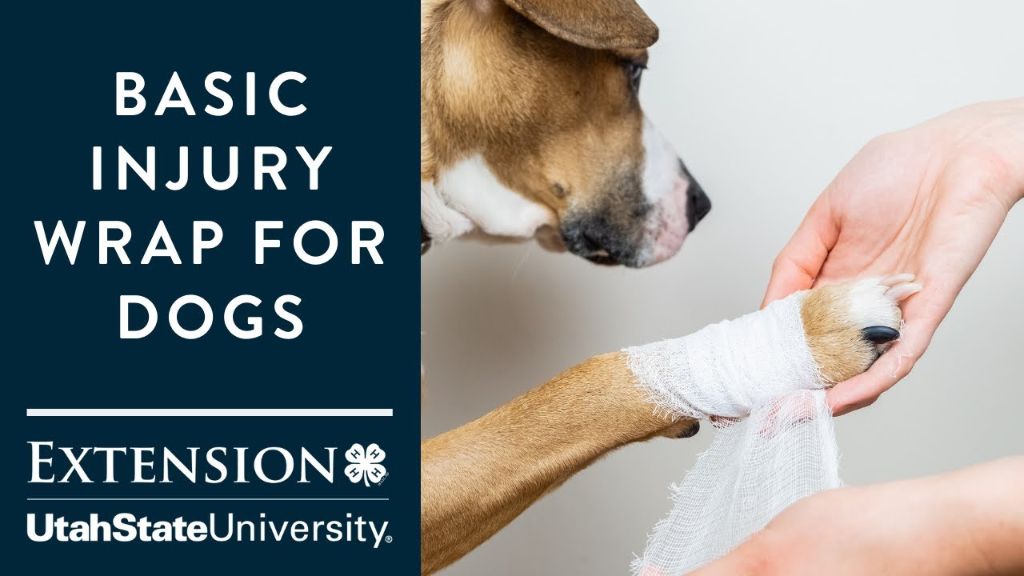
x=697 y=203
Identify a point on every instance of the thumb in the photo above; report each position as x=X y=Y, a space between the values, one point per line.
x=798 y=265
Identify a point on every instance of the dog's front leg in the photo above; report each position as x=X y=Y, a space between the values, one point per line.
x=479 y=477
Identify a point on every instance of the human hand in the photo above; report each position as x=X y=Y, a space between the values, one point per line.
x=965 y=522
x=927 y=200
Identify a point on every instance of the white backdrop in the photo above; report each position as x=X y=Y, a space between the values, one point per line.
x=765 y=101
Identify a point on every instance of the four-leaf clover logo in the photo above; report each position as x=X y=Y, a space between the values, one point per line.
x=365 y=464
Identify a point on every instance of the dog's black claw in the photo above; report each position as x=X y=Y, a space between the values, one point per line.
x=880 y=334
x=691 y=431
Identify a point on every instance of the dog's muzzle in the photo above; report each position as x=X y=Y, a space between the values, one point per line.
x=638 y=237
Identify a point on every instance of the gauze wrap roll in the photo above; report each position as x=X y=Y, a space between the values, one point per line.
x=759 y=368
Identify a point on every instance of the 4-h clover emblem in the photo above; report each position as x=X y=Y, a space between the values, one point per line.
x=365 y=464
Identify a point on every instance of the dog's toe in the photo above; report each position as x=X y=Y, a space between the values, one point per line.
x=681 y=428
x=690 y=431
x=849 y=325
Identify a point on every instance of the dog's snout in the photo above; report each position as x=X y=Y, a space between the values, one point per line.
x=595 y=239
x=697 y=203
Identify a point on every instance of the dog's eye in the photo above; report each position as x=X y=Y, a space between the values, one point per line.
x=634 y=71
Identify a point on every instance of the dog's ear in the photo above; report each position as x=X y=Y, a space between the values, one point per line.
x=600 y=24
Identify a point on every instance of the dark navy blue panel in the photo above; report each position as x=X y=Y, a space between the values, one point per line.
x=360 y=342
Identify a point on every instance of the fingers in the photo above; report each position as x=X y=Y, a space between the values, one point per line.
x=799 y=263
x=900 y=286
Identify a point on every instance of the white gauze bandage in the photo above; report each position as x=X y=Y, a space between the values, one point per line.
x=757 y=368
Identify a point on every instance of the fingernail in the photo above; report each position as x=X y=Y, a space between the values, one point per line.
x=901 y=291
x=897 y=279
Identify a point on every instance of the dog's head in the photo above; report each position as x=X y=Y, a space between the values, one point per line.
x=532 y=126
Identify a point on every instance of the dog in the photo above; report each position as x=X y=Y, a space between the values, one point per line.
x=531 y=128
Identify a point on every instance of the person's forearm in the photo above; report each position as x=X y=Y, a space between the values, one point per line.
x=983 y=530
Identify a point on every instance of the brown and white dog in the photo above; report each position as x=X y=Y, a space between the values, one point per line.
x=531 y=128
x=530 y=125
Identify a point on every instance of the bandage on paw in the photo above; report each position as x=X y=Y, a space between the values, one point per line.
x=757 y=368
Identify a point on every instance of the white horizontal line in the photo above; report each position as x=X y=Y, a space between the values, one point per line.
x=156 y=412
x=205 y=499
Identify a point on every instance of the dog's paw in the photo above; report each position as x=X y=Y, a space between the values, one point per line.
x=849 y=325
